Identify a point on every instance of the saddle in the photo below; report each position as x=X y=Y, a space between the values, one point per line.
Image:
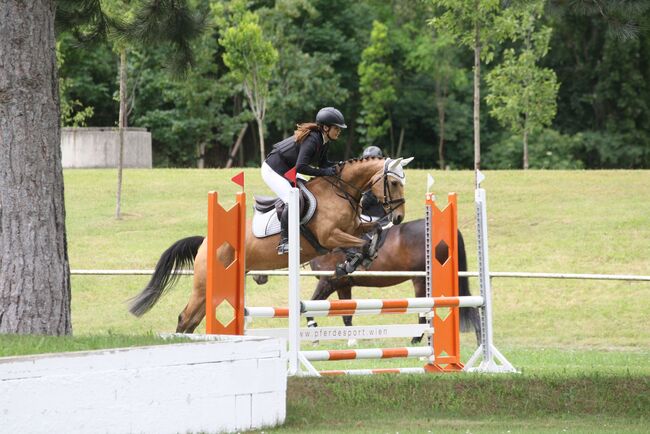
x=267 y=208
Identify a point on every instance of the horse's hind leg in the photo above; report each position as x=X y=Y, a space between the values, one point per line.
x=194 y=311
x=419 y=285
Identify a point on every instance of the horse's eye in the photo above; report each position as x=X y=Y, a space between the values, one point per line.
x=394 y=183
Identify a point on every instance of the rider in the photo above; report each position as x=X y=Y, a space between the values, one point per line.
x=307 y=147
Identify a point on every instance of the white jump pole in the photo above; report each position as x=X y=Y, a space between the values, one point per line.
x=296 y=358
x=487 y=348
x=294 y=280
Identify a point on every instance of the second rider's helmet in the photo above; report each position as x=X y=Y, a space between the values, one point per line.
x=330 y=116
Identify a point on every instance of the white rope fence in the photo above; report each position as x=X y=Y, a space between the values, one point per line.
x=507 y=274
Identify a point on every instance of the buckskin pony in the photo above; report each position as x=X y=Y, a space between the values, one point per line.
x=335 y=223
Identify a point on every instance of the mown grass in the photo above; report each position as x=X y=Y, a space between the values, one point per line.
x=470 y=403
x=574 y=341
x=21 y=345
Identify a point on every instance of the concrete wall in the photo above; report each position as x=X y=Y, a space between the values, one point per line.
x=228 y=384
x=99 y=147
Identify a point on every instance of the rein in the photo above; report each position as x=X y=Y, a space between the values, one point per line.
x=389 y=204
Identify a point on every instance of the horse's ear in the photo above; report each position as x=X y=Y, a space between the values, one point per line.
x=407 y=161
x=394 y=164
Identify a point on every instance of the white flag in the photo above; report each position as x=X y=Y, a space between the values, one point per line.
x=479 y=178
x=429 y=182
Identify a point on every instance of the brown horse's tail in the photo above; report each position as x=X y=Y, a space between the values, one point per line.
x=469 y=316
x=180 y=255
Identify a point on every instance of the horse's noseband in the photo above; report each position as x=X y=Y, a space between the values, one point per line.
x=389 y=204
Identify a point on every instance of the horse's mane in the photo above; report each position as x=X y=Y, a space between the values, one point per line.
x=340 y=165
x=360 y=159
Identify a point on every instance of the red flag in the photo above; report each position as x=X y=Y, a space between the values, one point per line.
x=238 y=179
x=291 y=175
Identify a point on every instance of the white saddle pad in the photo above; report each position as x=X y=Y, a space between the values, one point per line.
x=267 y=224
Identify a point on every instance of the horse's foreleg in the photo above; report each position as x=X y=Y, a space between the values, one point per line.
x=344 y=291
x=338 y=238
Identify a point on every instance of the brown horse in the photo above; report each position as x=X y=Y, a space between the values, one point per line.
x=403 y=250
x=335 y=223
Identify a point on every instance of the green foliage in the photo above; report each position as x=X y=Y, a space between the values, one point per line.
x=522 y=95
x=603 y=74
x=303 y=82
x=462 y=18
x=251 y=59
x=376 y=78
x=249 y=55
x=184 y=115
x=604 y=90
x=73 y=112
x=547 y=149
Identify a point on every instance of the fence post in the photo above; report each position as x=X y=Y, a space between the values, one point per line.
x=442 y=281
x=225 y=282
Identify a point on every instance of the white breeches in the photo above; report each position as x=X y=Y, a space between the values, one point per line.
x=278 y=183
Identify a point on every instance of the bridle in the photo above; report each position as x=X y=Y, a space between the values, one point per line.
x=366 y=195
x=389 y=204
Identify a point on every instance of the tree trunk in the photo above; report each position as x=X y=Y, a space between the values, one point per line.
x=477 y=95
x=400 y=142
x=235 y=148
x=200 y=163
x=526 y=141
x=260 y=130
x=441 y=96
x=121 y=126
x=392 y=137
x=34 y=268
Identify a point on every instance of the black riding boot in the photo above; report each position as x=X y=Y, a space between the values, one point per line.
x=283 y=247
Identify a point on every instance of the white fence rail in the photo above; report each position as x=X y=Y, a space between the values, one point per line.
x=507 y=274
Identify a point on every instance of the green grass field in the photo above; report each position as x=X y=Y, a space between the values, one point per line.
x=587 y=340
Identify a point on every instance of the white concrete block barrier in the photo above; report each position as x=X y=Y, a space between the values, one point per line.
x=223 y=384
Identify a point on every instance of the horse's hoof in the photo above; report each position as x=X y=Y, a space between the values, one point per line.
x=352 y=343
x=416 y=340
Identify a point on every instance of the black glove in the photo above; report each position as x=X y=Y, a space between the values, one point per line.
x=329 y=171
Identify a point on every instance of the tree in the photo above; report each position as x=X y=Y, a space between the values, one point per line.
x=437 y=57
x=151 y=22
x=34 y=268
x=376 y=84
x=523 y=95
x=251 y=59
x=472 y=24
x=303 y=82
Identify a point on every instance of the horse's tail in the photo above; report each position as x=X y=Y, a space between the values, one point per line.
x=469 y=316
x=180 y=255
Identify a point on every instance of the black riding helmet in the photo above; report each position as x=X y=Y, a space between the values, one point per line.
x=330 y=116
